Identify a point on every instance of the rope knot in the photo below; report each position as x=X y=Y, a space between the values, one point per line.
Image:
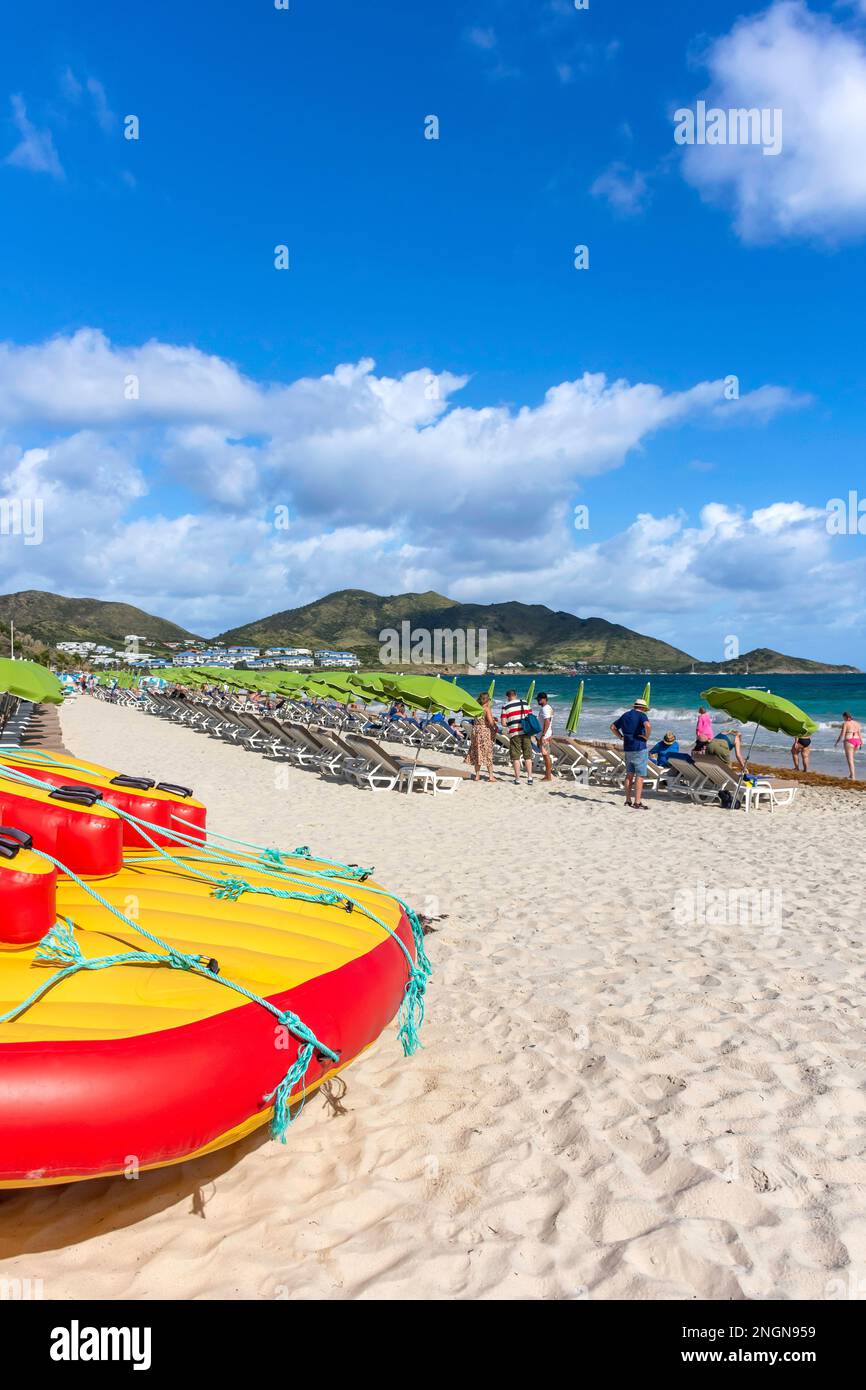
x=231 y=888
x=272 y=856
x=302 y=852
x=59 y=944
x=176 y=960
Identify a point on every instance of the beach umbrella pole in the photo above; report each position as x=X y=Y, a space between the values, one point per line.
x=740 y=778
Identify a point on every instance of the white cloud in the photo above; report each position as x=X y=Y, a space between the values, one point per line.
x=102 y=112
x=626 y=190
x=387 y=480
x=482 y=38
x=35 y=150
x=730 y=571
x=814 y=71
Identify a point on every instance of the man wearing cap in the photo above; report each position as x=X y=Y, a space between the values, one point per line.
x=633 y=728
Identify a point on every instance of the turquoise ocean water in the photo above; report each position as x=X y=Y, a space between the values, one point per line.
x=675 y=700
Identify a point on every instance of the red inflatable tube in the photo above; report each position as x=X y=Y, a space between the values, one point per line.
x=28 y=893
x=188 y=820
x=158 y=811
x=88 y=842
x=83 y=1108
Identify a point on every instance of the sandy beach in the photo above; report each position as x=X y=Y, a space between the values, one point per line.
x=625 y=1091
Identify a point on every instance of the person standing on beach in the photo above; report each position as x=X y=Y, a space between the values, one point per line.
x=545 y=715
x=800 y=749
x=634 y=728
x=513 y=716
x=851 y=738
x=703 y=730
x=484 y=729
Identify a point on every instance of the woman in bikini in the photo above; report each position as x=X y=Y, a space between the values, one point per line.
x=800 y=748
x=851 y=738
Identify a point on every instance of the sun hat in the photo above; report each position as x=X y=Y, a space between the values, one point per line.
x=641 y=704
x=669 y=737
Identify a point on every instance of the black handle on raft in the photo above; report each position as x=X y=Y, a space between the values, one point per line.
x=11 y=841
x=142 y=784
x=173 y=787
x=81 y=796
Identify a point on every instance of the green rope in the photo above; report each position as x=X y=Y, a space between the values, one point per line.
x=412 y=1009
x=60 y=946
x=413 y=1006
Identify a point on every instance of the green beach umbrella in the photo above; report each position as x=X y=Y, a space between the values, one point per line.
x=491 y=687
x=27 y=680
x=646 y=693
x=325 y=691
x=530 y=692
x=574 y=712
x=433 y=693
x=761 y=707
x=366 y=694
x=370 y=680
x=764 y=709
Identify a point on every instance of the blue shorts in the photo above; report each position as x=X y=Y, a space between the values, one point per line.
x=636 y=762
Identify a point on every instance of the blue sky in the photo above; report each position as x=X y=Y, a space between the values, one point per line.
x=449 y=264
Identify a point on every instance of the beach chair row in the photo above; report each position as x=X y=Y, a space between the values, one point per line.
x=704 y=781
x=345 y=755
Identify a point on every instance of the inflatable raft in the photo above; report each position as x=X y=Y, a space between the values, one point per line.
x=161 y=1002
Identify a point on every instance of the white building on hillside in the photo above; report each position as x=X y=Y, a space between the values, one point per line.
x=327 y=657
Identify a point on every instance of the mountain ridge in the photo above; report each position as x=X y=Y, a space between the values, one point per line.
x=532 y=634
x=529 y=633
x=50 y=618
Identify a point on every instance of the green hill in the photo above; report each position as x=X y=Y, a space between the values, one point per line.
x=530 y=633
x=52 y=618
x=764 y=661
x=353 y=618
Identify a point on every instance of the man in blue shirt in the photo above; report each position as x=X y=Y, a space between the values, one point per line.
x=664 y=748
x=633 y=728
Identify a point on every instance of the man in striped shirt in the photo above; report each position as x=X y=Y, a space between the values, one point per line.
x=512 y=715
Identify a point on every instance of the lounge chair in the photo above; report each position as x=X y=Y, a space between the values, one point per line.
x=304 y=748
x=610 y=766
x=570 y=760
x=692 y=781
x=401 y=772
x=747 y=794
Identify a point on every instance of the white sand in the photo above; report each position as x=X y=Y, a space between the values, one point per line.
x=611 y=1102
